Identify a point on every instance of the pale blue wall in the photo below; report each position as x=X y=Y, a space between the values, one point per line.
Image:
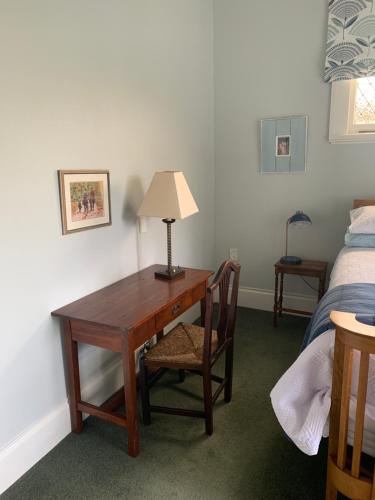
x=269 y=58
x=86 y=84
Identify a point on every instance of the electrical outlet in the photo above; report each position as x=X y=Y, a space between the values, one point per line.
x=233 y=254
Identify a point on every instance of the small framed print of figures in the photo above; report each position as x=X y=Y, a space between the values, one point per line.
x=84 y=199
x=283 y=145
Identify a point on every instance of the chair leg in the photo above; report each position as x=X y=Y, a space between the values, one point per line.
x=228 y=374
x=145 y=393
x=181 y=375
x=208 y=406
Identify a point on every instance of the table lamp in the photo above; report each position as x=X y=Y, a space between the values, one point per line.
x=299 y=219
x=168 y=198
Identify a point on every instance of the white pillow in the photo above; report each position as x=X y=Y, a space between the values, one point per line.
x=362 y=220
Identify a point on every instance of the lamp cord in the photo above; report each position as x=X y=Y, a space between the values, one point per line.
x=286 y=237
x=309 y=284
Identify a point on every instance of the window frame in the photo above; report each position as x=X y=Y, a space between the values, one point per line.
x=342 y=130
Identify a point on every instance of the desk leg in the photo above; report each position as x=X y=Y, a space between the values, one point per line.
x=276 y=299
x=130 y=387
x=74 y=385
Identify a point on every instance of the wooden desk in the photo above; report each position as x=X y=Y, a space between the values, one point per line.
x=309 y=268
x=122 y=317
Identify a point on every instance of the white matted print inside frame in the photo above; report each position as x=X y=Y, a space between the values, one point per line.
x=84 y=199
x=283 y=145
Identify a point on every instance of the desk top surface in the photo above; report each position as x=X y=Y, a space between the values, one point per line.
x=132 y=300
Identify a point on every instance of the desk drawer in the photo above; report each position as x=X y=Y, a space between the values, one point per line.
x=199 y=292
x=173 y=310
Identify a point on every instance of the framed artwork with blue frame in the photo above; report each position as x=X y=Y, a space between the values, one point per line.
x=283 y=145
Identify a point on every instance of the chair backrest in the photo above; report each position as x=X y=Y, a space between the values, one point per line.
x=346 y=470
x=227 y=281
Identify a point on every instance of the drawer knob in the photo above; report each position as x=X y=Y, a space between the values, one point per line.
x=176 y=308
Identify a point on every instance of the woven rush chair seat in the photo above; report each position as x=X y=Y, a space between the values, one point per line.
x=196 y=349
x=182 y=347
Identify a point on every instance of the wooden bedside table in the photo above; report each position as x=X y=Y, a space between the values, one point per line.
x=309 y=268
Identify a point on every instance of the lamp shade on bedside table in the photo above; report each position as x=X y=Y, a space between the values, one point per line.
x=168 y=198
x=299 y=219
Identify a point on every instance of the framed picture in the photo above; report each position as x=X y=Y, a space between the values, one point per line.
x=84 y=199
x=283 y=145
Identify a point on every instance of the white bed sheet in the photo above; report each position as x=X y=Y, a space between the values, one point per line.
x=353 y=265
x=301 y=398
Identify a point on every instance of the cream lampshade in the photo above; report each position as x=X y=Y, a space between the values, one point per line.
x=168 y=198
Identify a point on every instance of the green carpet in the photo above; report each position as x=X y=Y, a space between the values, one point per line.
x=247 y=457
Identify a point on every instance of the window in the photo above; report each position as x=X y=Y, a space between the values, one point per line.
x=352 y=116
x=364 y=105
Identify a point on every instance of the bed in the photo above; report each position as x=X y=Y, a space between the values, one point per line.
x=301 y=398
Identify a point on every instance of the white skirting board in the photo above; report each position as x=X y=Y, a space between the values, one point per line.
x=18 y=456
x=30 y=446
x=256 y=298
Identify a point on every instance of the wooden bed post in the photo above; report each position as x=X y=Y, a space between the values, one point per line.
x=345 y=471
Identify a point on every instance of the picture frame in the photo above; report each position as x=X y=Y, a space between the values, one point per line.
x=283 y=144
x=84 y=199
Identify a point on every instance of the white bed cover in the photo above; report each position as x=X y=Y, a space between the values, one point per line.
x=301 y=399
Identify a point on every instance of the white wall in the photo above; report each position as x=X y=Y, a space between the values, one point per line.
x=269 y=59
x=120 y=85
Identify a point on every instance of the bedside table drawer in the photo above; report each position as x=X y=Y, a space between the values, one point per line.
x=171 y=312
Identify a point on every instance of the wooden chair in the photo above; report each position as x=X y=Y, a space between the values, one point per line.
x=196 y=349
x=346 y=467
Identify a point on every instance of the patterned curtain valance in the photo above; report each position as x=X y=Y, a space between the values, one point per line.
x=350 y=49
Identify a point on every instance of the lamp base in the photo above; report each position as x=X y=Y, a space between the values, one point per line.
x=173 y=273
x=291 y=260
